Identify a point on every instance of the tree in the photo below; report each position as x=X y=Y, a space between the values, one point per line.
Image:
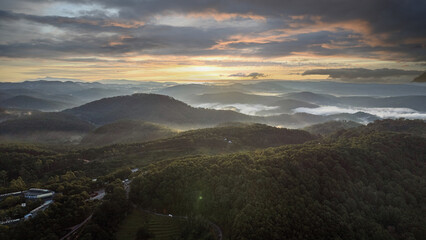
x=3 y=177
x=18 y=184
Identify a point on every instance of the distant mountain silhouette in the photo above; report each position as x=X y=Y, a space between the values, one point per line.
x=323 y=99
x=27 y=102
x=234 y=97
x=152 y=108
x=44 y=122
x=42 y=127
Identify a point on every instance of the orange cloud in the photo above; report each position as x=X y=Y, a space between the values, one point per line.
x=220 y=16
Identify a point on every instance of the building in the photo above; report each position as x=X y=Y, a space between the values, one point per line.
x=37 y=193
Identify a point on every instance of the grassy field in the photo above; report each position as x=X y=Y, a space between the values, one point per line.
x=163 y=228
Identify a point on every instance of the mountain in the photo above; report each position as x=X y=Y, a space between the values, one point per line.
x=11 y=113
x=368 y=186
x=415 y=127
x=286 y=106
x=171 y=112
x=126 y=131
x=355 y=89
x=152 y=108
x=234 y=97
x=322 y=99
x=226 y=138
x=92 y=94
x=27 y=102
x=44 y=128
x=330 y=127
x=184 y=91
x=49 y=87
x=413 y=102
x=299 y=120
x=421 y=78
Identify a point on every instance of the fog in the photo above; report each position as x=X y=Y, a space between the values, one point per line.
x=249 y=109
x=380 y=112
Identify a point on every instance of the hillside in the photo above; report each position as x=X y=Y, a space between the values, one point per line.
x=27 y=102
x=367 y=186
x=210 y=141
x=126 y=131
x=151 y=108
x=322 y=99
x=414 y=101
x=330 y=127
x=44 y=127
x=415 y=127
x=234 y=97
x=287 y=105
x=11 y=113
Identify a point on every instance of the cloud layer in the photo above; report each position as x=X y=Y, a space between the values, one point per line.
x=362 y=73
x=374 y=34
x=380 y=112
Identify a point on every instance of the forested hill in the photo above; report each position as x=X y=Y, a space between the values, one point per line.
x=208 y=141
x=152 y=108
x=39 y=127
x=39 y=121
x=330 y=127
x=360 y=186
x=126 y=131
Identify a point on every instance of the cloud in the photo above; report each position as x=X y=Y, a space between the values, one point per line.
x=253 y=75
x=347 y=28
x=270 y=30
x=249 y=109
x=380 y=112
x=359 y=73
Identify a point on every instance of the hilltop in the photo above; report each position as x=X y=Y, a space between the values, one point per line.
x=151 y=108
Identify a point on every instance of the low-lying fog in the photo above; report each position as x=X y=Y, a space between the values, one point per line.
x=380 y=112
x=262 y=110
x=249 y=109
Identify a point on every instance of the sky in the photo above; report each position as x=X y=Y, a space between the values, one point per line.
x=206 y=40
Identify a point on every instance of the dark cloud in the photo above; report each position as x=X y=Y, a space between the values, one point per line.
x=253 y=75
x=359 y=73
x=377 y=29
x=87 y=24
x=402 y=18
x=151 y=39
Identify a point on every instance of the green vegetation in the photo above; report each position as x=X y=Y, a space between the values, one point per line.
x=140 y=224
x=357 y=186
x=158 y=227
x=152 y=108
x=328 y=128
x=416 y=127
x=252 y=180
x=208 y=141
x=130 y=226
x=28 y=102
x=53 y=128
x=126 y=131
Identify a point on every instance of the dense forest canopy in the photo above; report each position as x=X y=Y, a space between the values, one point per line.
x=368 y=186
x=252 y=180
